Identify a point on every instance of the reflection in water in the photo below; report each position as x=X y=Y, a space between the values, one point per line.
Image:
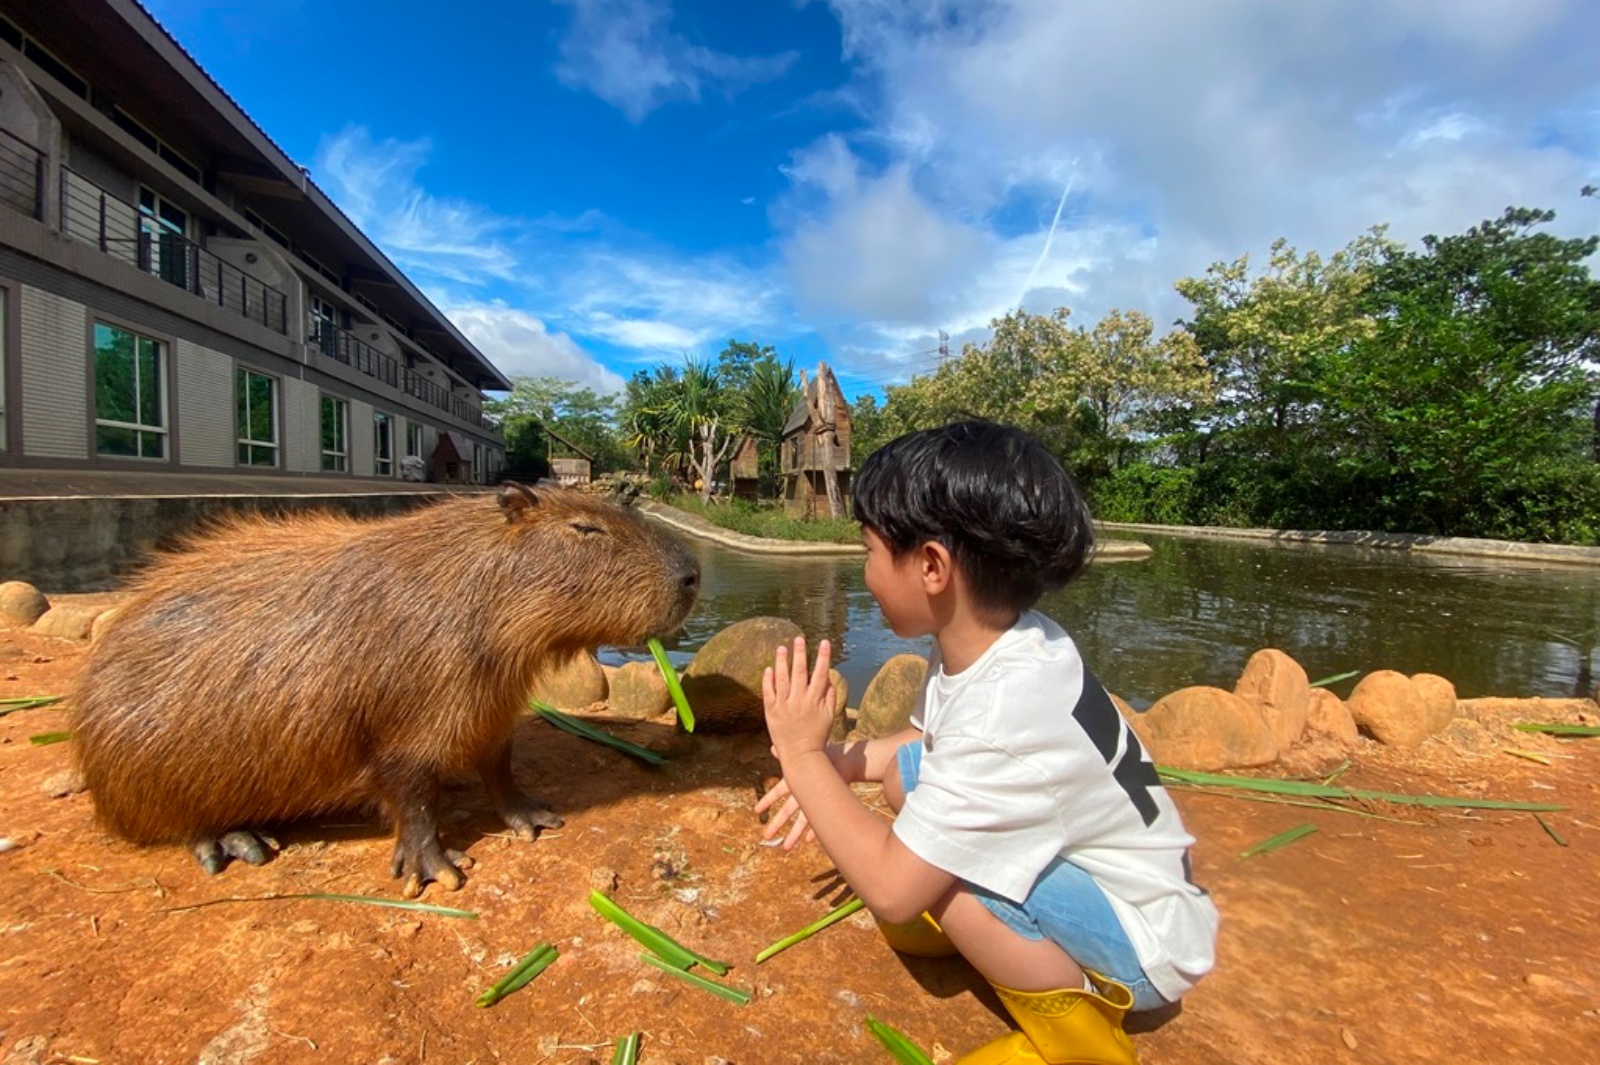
x=1197 y=609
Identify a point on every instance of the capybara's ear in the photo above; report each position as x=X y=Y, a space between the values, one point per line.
x=516 y=501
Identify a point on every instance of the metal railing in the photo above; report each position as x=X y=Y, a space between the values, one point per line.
x=21 y=175
x=91 y=214
x=339 y=345
x=415 y=384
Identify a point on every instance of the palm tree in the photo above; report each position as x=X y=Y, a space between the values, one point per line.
x=769 y=396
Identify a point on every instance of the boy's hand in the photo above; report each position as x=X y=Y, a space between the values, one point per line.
x=799 y=709
x=799 y=828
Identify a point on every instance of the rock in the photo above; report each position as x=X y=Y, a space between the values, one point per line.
x=1470 y=737
x=1208 y=729
x=841 y=699
x=639 y=691
x=723 y=682
x=1389 y=708
x=60 y=785
x=1494 y=710
x=101 y=620
x=573 y=685
x=891 y=695
x=1279 y=687
x=66 y=622
x=21 y=604
x=1327 y=715
x=1438 y=699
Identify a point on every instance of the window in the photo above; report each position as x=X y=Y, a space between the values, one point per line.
x=324 y=326
x=271 y=231
x=258 y=419
x=129 y=398
x=163 y=227
x=383 y=443
x=413 y=440
x=335 y=437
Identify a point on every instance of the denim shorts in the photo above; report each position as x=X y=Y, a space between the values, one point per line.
x=1066 y=906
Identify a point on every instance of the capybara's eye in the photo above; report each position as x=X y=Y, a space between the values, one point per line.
x=587 y=530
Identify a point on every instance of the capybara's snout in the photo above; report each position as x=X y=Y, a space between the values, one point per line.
x=685 y=575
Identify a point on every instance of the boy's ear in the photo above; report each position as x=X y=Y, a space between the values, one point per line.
x=937 y=565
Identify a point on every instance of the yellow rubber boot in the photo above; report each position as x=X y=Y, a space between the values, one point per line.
x=1073 y=1027
x=921 y=938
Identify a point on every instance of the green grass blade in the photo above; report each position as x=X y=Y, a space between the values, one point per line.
x=1336 y=678
x=1552 y=832
x=27 y=702
x=519 y=975
x=1338 y=772
x=1552 y=728
x=835 y=916
x=670 y=675
x=568 y=723
x=1277 y=800
x=1282 y=839
x=45 y=739
x=668 y=949
x=1305 y=789
x=903 y=1050
x=732 y=994
x=627 y=1050
x=323 y=896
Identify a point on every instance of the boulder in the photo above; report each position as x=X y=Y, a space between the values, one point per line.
x=890 y=697
x=1208 y=729
x=1279 y=688
x=21 y=604
x=101 y=621
x=573 y=684
x=1327 y=715
x=723 y=683
x=1389 y=708
x=841 y=699
x=1438 y=699
x=638 y=691
x=66 y=622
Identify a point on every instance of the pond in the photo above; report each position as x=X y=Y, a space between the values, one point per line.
x=1198 y=608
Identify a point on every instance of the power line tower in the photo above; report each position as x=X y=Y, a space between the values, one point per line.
x=944 y=346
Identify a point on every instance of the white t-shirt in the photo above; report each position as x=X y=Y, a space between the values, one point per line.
x=1025 y=758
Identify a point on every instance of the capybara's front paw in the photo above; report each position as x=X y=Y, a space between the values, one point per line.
x=213 y=854
x=429 y=863
x=525 y=817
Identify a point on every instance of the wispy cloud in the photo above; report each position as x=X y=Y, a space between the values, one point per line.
x=375 y=183
x=522 y=346
x=625 y=52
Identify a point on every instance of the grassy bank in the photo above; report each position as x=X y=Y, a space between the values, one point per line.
x=767 y=520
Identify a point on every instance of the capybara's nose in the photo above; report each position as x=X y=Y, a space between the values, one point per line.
x=689 y=574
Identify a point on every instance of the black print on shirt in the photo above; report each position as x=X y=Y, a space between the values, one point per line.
x=1098 y=717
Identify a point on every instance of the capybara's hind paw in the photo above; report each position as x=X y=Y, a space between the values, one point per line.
x=526 y=818
x=428 y=864
x=213 y=854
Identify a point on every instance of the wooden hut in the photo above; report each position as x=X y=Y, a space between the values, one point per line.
x=744 y=469
x=570 y=465
x=452 y=460
x=814 y=458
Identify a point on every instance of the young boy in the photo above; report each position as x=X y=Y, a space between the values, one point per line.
x=1032 y=835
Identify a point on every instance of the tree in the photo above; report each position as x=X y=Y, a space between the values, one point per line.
x=768 y=396
x=581 y=415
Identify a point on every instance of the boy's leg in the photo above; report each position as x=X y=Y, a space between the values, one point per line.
x=1001 y=954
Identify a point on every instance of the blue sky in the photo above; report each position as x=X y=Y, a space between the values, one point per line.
x=591 y=186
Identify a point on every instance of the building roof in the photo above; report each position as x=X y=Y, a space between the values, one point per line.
x=123 y=38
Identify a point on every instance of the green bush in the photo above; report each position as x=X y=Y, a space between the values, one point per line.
x=1156 y=495
x=767 y=520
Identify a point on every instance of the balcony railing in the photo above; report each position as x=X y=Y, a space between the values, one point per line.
x=415 y=384
x=341 y=346
x=91 y=214
x=21 y=175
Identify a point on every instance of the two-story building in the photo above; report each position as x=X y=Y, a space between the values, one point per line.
x=177 y=295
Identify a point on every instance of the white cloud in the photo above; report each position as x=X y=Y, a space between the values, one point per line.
x=624 y=53
x=1200 y=134
x=374 y=182
x=522 y=346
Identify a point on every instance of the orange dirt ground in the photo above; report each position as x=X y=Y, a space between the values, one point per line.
x=1454 y=938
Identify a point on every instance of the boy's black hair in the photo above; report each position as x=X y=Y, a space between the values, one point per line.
x=1001 y=504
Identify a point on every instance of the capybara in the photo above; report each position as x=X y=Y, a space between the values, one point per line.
x=270 y=670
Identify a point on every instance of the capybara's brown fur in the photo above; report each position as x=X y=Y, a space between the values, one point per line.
x=278 y=669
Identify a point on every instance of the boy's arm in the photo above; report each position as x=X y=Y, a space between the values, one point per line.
x=859 y=761
x=895 y=883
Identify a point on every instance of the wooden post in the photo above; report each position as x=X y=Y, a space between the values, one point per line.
x=829 y=439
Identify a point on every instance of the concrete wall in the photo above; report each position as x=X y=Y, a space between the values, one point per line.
x=301 y=452
x=79 y=545
x=360 y=445
x=55 y=376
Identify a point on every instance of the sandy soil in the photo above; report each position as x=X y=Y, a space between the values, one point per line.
x=1451 y=937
